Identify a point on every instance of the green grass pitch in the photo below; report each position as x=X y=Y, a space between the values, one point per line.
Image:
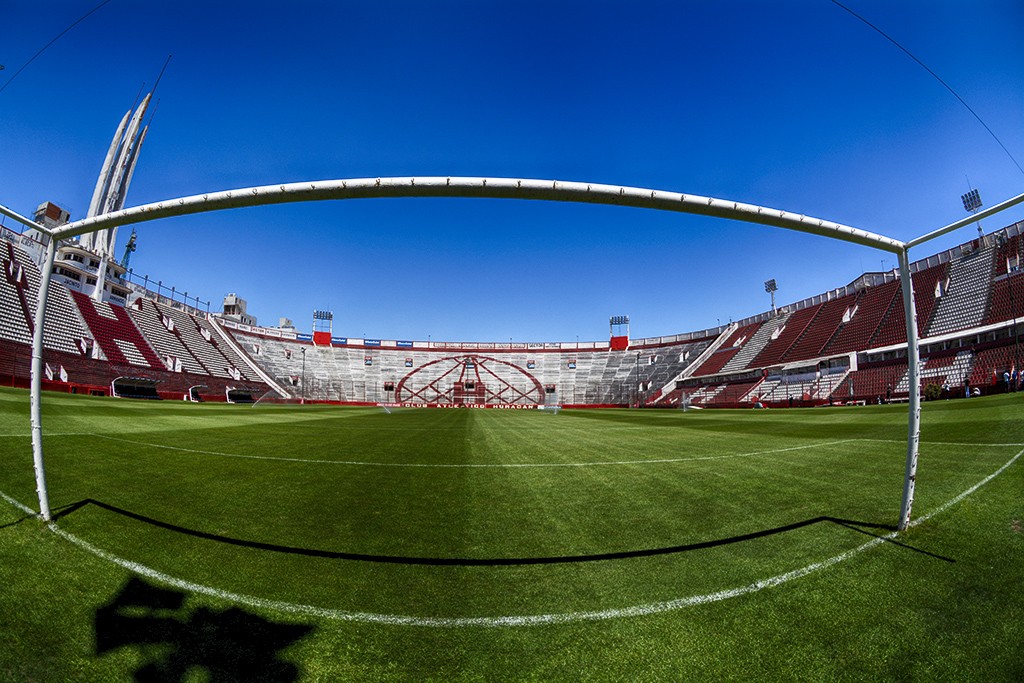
x=215 y=542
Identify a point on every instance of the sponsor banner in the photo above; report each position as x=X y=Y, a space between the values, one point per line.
x=339 y=340
x=371 y=342
x=404 y=344
x=485 y=406
x=304 y=337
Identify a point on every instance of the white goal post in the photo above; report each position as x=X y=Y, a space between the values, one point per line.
x=495 y=188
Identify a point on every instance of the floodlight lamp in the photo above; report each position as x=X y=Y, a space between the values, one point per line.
x=971 y=200
x=770 y=286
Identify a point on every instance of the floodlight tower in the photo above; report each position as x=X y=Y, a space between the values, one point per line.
x=771 y=287
x=972 y=202
x=323 y=327
x=618 y=331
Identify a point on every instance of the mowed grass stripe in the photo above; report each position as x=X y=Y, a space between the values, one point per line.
x=940 y=598
x=422 y=507
x=600 y=509
x=517 y=620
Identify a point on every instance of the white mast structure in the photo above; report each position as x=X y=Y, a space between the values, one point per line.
x=112 y=188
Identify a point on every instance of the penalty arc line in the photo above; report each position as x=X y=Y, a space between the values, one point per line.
x=512 y=620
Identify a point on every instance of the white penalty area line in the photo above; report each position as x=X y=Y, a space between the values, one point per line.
x=363 y=463
x=503 y=621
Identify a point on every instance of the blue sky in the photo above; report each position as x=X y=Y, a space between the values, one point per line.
x=795 y=105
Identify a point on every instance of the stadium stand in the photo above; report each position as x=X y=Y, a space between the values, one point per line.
x=967 y=302
x=198 y=339
x=77 y=329
x=706 y=394
x=167 y=344
x=1007 y=298
x=991 y=362
x=820 y=330
x=1008 y=253
x=736 y=393
x=948 y=368
x=590 y=376
x=14 y=324
x=64 y=328
x=810 y=386
x=785 y=337
x=872 y=304
x=757 y=342
x=893 y=328
x=235 y=361
x=116 y=334
x=728 y=350
x=872 y=382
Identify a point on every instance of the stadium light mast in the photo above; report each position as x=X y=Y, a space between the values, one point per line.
x=972 y=202
x=771 y=287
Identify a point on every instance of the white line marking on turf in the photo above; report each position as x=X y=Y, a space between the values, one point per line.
x=945 y=443
x=505 y=621
x=363 y=463
x=23 y=508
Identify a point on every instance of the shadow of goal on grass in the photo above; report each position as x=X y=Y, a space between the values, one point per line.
x=177 y=643
x=860 y=527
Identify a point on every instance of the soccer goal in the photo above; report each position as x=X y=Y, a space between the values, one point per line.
x=503 y=188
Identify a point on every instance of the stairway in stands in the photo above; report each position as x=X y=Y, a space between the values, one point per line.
x=963 y=305
x=756 y=343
